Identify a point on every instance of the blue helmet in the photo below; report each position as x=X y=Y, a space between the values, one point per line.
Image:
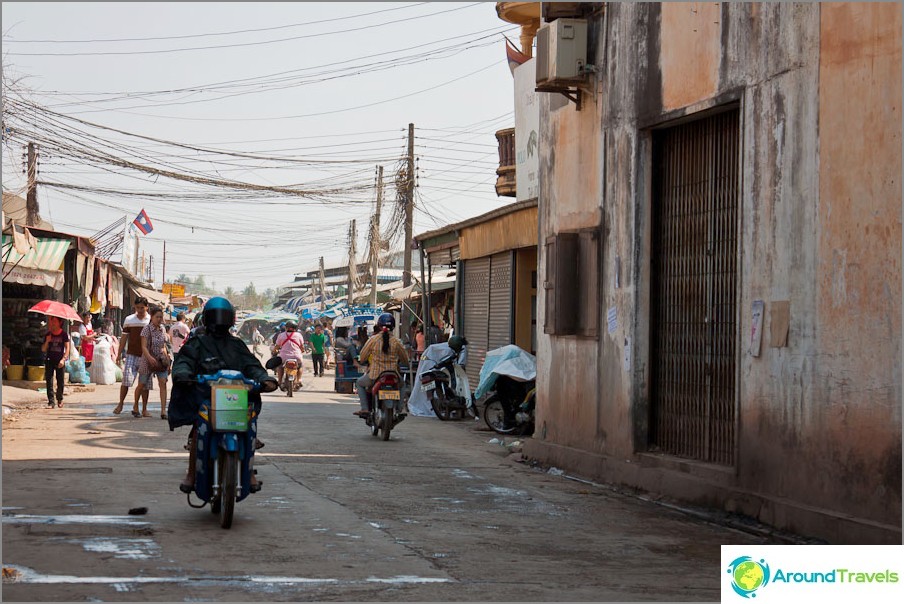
x=219 y=316
x=386 y=321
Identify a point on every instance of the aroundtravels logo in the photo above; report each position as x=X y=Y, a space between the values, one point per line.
x=748 y=575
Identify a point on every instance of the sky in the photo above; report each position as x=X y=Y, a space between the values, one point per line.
x=305 y=96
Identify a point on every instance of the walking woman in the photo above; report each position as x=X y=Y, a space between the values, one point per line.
x=155 y=361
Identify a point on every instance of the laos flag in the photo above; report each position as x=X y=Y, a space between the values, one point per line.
x=143 y=222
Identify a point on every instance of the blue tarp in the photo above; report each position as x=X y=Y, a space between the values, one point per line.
x=508 y=360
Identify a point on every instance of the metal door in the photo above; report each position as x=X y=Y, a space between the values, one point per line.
x=694 y=288
x=476 y=314
x=500 y=325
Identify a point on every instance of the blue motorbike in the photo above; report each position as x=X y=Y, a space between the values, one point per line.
x=226 y=428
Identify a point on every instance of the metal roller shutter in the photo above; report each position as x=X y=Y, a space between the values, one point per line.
x=500 y=325
x=476 y=314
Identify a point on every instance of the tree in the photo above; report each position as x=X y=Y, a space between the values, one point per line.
x=229 y=293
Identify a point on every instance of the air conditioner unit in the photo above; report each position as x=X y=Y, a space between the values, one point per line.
x=561 y=52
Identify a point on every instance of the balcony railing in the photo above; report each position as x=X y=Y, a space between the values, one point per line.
x=505 y=183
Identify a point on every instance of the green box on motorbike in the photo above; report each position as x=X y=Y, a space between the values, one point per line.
x=229 y=410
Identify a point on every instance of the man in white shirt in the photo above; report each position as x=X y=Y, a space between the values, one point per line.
x=179 y=333
x=130 y=349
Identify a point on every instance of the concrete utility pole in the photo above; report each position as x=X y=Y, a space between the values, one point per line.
x=405 y=327
x=352 y=253
x=375 y=239
x=31 y=197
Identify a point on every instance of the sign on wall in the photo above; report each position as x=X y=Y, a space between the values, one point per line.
x=527 y=132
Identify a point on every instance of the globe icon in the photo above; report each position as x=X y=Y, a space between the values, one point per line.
x=749 y=575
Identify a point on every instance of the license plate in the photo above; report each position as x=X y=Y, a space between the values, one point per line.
x=430 y=386
x=389 y=394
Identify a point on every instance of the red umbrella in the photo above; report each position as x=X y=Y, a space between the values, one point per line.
x=52 y=308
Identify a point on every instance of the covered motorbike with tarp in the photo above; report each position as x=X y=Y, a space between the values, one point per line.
x=509 y=377
x=420 y=401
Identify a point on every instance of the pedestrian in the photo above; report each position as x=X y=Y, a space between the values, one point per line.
x=56 y=350
x=317 y=341
x=155 y=361
x=87 y=339
x=420 y=340
x=257 y=339
x=130 y=352
x=327 y=345
x=179 y=333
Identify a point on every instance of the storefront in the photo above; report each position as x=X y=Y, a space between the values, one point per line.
x=27 y=279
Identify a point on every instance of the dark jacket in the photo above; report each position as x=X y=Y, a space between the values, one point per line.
x=205 y=355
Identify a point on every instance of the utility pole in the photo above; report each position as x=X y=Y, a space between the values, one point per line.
x=405 y=328
x=322 y=286
x=31 y=197
x=375 y=238
x=352 y=277
x=163 y=278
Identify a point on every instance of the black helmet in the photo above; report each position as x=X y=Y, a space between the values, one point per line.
x=291 y=325
x=386 y=321
x=456 y=343
x=219 y=316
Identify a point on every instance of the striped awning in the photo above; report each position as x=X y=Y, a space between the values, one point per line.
x=48 y=255
x=41 y=266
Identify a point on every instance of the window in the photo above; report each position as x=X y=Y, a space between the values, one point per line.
x=572 y=284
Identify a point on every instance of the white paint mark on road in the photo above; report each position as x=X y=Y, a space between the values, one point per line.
x=28 y=575
x=409 y=579
x=71 y=519
x=461 y=474
x=127 y=549
x=377 y=525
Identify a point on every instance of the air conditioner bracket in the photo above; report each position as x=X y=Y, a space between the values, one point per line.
x=572 y=94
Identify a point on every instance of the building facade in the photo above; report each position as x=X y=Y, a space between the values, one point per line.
x=720 y=260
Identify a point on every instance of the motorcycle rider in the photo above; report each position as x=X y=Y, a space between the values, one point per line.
x=204 y=354
x=289 y=345
x=382 y=352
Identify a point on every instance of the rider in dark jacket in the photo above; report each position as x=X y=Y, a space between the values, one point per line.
x=205 y=354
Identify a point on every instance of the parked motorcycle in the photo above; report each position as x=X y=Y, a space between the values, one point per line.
x=446 y=387
x=224 y=446
x=385 y=404
x=510 y=407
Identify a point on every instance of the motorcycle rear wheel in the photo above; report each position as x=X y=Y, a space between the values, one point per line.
x=386 y=424
x=229 y=463
x=290 y=386
x=440 y=405
x=494 y=416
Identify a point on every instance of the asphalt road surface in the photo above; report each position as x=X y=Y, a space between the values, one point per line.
x=435 y=514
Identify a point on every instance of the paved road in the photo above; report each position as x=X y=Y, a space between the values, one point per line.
x=437 y=513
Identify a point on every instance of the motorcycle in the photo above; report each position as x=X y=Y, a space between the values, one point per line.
x=510 y=407
x=446 y=387
x=291 y=372
x=226 y=429
x=385 y=404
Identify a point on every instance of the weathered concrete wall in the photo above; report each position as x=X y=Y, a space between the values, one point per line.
x=819 y=87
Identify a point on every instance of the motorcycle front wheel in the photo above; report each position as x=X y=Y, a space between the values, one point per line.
x=229 y=464
x=494 y=416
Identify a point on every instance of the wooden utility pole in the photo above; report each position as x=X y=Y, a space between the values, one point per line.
x=163 y=277
x=322 y=285
x=31 y=197
x=352 y=253
x=405 y=327
x=375 y=239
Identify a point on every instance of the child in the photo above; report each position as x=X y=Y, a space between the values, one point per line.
x=56 y=350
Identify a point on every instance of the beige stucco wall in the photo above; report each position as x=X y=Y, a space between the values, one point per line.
x=819 y=88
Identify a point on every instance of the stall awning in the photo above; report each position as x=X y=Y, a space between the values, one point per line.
x=47 y=256
x=39 y=266
x=154 y=297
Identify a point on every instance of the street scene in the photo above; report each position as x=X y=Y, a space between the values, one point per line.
x=482 y=301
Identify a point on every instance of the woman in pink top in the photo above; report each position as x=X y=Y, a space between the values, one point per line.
x=289 y=345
